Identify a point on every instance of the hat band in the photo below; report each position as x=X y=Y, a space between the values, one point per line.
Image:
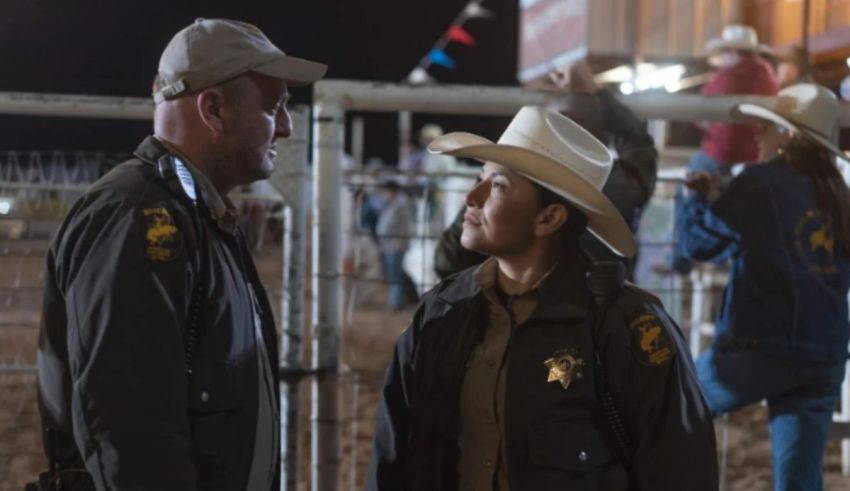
x=170 y=91
x=809 y=128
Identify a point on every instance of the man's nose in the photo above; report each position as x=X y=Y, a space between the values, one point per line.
x=283 y=124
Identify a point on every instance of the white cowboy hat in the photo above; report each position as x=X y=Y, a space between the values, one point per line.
x=737 y=36
x=808 y=109
x=555 y=152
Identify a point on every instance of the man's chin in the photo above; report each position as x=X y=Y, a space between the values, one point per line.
x=265 y=170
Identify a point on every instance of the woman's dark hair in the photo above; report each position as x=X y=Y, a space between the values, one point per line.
x=833 y=196
x=576 y=223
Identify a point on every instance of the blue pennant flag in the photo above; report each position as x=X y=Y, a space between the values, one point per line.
x=439 y=57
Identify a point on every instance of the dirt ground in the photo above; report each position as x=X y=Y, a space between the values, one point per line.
x=366 y=346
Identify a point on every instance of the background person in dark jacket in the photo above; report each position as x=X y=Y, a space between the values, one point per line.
x=632 y=180
x=157 y=360
x=783 y=329
x=509 y=376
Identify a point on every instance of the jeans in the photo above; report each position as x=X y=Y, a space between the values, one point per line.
x=402 y=289
x=801 y=397
x=700 y=162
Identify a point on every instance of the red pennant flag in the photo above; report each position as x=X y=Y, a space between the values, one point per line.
x=459 y=34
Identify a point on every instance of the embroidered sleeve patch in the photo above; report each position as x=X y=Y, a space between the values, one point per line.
x=163 y=239
x=651 y=344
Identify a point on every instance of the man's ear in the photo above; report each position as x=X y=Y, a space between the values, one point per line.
x=209 y=105
x=550 y=219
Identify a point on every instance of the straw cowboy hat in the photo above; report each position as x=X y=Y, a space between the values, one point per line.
x=740 y=37
x=807 y=109
x=555 y=152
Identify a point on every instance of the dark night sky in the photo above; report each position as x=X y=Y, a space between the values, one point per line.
x=112 y=48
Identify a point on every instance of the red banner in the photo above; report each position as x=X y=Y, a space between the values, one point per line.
x=552 y=33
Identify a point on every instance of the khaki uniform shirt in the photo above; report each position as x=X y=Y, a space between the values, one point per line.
x=482 y=466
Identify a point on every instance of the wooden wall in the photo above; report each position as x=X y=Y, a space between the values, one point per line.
x=780 y=22
x=657 y=28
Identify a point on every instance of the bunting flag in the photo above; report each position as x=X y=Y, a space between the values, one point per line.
x=419 y=77
x=439 y=57
x=459 y=34
x=475 y=10
x=455 y=33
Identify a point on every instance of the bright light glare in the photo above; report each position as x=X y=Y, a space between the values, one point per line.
x=848 y=61
x=5 y=206
x=659 y=78
x=627 y=88
x=673 y=86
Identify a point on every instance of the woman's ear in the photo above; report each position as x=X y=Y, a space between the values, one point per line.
x=550 y=219
x=209 y=105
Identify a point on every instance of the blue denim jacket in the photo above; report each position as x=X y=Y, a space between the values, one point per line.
x=787 y=290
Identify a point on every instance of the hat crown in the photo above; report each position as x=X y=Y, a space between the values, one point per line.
x=740 y=33
x=812 y=106
x=213 y=48
x=562 y=140
x=737 y=37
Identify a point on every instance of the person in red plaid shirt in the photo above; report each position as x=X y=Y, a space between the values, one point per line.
x=741 y=71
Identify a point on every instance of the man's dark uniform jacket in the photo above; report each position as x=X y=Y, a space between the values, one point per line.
x=115 y=351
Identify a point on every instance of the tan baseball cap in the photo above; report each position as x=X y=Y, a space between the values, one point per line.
x=212 y=51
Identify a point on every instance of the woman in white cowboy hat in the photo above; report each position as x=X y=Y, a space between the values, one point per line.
x=782 y=332
x=525 y=373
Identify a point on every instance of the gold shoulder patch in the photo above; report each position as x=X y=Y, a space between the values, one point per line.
x=651 y=344
x=163 y=239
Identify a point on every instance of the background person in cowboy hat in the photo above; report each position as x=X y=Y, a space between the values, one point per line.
x=782 y=331
x=741 y=70
x=510 y=376
x=157 y=359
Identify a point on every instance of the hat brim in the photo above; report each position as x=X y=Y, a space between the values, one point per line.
x=718 y=44
x=604 y=220
x=295 y=71
x=754 y=111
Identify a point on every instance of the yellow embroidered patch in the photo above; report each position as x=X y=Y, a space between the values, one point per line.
x=814 y=240
x=651 y=344
x=164 y=240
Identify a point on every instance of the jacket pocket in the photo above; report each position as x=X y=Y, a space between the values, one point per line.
x=574 y=446
x=214 y=386
x=215 y=411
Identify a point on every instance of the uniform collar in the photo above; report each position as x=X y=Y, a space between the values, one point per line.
x=563 y=292
x=486 y=278
x=221 y=209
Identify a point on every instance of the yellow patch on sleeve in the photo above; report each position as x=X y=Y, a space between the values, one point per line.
x=651 y=344
x=163 y=239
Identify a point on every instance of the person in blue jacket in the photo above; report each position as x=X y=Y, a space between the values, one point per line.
x=782 y=331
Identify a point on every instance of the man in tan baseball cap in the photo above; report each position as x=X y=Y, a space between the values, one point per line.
x=158 y=366
x=212 y=51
